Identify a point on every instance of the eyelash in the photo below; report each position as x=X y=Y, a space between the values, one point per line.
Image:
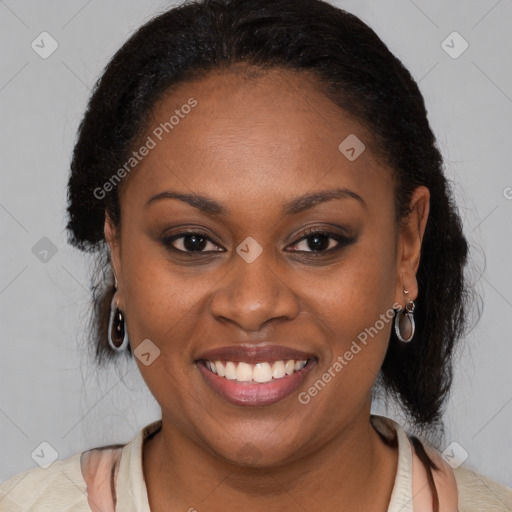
x=342 y=240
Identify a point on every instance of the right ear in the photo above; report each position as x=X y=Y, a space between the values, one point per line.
x=112 y=239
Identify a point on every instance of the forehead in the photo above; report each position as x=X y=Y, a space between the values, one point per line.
x=246 y=133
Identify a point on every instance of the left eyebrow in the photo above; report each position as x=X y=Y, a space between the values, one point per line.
x=306 y=201
x=291 y=207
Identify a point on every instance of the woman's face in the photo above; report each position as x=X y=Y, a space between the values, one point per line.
x=253 y=275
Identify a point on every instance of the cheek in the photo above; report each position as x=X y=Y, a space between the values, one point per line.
x=355 y=293
x=354 y=308
x=162 y=306
x=154 y=296
x=165 y=303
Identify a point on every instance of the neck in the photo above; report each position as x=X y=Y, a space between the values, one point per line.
x=355 y=470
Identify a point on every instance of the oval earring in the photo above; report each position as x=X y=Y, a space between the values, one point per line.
x=117 y=334
x=404 y=321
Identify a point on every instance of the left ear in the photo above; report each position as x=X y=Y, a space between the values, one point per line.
x=409 y=241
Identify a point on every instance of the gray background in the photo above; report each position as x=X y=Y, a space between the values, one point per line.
x=50 y=391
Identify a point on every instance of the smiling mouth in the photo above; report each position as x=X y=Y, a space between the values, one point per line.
x=262 y=372
x=255 y=384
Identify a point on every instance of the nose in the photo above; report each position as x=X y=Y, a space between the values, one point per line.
x=252 y=294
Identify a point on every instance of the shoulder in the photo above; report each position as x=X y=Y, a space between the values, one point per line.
x=57 y=487
x=478 y=492
x=78 y=483
x=462 y=489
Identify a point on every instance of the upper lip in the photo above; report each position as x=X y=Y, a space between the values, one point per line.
x=252 y=354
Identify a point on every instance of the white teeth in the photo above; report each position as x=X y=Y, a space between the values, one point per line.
x=259 y=372
x=262 y=372
x=230 y=370
x=221 y=370
x=278 y=370
x=243 y=372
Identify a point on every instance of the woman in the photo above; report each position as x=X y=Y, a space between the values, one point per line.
x=261 y=182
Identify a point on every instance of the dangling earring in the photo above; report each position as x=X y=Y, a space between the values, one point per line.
x=404 y=321
x=117 y=328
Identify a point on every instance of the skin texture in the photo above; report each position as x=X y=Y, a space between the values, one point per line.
x=253 y=143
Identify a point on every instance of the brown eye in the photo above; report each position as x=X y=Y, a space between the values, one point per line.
x=189 y=242
x=323 y=242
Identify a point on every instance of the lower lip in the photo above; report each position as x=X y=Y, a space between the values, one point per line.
x=253 y=393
